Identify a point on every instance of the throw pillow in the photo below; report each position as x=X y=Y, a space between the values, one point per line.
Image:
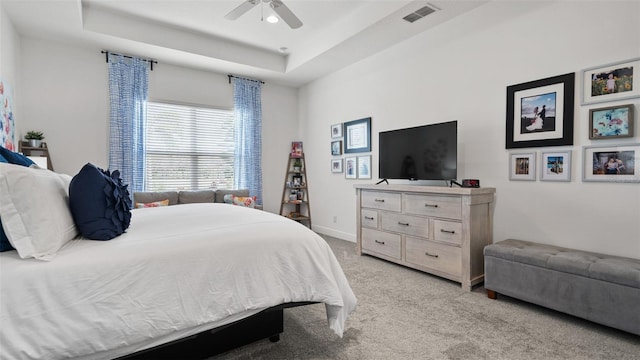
x=14 y=158
x=152 y=204
x=246 y=201
x=35 y=210
x=5 y=245
x=100 y=203
x=2 y=159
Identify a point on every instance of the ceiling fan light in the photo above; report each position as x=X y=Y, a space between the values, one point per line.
x=272 y=19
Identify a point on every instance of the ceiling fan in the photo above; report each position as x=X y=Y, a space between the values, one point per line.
x=280 y=8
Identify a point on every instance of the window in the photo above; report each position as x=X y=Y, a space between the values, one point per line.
x=188 y=147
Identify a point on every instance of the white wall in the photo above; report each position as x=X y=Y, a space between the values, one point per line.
x=460 y=71
x=65 y=95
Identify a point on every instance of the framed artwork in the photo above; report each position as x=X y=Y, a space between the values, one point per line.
x=350 y=167
x=296 y=149
x=540 y=113
x=614 y=163
x=336 y=131
x=611 y=122
x=555 y=166
x=336 y=147
x=357 y=136
x=364 y=167
x=7 y=122
x=297 y=180
x=615 y=81
x=336 y=165
x=522 y=166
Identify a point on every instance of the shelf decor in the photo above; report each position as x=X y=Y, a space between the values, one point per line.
x=357 y=136
x=540 y=113
x=610 y=82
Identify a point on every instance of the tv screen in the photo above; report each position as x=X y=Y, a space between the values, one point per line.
x=428 y=152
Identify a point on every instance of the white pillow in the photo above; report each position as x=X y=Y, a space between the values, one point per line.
x=34 y=207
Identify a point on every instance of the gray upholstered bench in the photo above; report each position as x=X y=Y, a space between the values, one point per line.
x=600 y=288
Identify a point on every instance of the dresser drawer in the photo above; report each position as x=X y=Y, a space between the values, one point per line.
x=369 y=218
x=445 y=258
x=382 y=200
x=433 y=205
x=381 y=242
x=447 y=231
x=406 y=224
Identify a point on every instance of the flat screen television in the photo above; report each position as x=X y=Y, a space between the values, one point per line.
x=428 y=152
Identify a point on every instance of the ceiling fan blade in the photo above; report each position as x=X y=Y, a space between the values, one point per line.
x=285 y=14
x=241 y=9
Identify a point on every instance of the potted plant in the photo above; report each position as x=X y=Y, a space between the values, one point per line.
x=297 y=165
x=35 y=138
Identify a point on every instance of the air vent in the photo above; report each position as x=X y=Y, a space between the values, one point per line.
x=419 y=14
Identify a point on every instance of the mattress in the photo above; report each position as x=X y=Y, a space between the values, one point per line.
x=177 y=271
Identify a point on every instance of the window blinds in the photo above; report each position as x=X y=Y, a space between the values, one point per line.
x=188 y=147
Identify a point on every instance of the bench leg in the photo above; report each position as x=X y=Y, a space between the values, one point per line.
x=492 y=294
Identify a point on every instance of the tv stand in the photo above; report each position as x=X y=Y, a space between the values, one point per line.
x=436 y=229
x=383 y=181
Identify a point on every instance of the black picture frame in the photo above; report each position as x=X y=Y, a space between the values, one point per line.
x=357 y=136
x=524 y=129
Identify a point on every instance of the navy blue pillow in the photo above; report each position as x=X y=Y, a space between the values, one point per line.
x=2 y=159
x=100 y=203
x=5 y=245
x=15 y=158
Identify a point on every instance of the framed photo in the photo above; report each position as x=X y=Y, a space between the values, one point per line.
x=555 y=166
x=619 y=163
x=357 y=136
x=364 y=167
x=611 y=122
x=540 y=113
x=296 y=149
x=336 y=147
x=336 y=165
x=350 y=167
x=522 y=166
x=297 y=180
x=336 y=131
x=615 y=81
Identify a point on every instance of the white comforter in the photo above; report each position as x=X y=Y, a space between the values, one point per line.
x=178 y=270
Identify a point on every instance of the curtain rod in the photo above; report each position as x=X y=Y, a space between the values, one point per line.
x=106 y=56
x=243 y=78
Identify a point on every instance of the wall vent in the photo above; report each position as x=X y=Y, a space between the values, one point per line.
x=419 y=14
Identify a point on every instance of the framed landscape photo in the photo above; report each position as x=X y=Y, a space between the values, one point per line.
x=350 y=167
x=336 y=147
x=555 y=166
x=357 y=136
x=336 y=165
x=364 y=167
x=522 y=166
x=540 y=113
x=611 y=122
x=615 y=81
x=616 y=163
x=336 y=131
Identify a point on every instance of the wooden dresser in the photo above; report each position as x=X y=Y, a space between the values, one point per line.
x=439 y=230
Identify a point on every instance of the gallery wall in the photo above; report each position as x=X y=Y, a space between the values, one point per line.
x=460 y=71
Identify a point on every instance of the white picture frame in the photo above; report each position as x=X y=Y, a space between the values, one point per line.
x=626 y=157
x=336 y=166
x=351 y=167
x=626 y=82
x=522 y=166
x=336 y=131
x=555 y=166
x=364 y=167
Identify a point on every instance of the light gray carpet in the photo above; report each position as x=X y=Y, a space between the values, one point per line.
x=406 y=314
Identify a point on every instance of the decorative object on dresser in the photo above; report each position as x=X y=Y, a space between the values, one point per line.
x=34 y=138
x=295 y=199
x=41 y=151
x=439 y=230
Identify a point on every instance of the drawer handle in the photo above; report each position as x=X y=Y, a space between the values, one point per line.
x=379 y=242
x=429 y=205
x=433 y=256
x=368 y=218
x=447 y=231
x=379 y=200
x=403 y=224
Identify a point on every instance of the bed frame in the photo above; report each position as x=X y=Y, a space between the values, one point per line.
x=265 y=324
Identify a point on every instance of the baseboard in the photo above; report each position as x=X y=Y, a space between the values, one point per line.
x=334 y=233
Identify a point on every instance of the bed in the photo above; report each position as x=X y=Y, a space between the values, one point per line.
x=177 y=271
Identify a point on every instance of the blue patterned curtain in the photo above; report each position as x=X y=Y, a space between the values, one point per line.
x=128 y=88
x=248 y=136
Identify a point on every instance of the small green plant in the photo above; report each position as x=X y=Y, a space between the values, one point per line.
x=34 y=135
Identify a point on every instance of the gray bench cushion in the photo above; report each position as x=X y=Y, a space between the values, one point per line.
x=615 y=269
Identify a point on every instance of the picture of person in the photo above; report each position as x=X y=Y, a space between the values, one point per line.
x=555 y=165
x=612 y=81
x=522 y=166
x=614 y=163
x=614 y=166
x=336 y=147
x=538 y=113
